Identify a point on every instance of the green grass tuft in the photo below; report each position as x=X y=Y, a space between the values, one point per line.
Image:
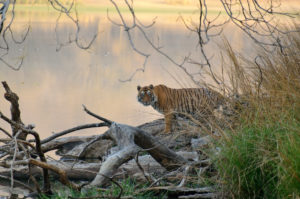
x=262 y=161
x=261 y=157
x=129 y=186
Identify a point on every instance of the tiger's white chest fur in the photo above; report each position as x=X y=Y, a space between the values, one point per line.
x=155 y=105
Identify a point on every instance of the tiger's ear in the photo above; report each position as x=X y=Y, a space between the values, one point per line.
x=151 y=86
x=138 y=87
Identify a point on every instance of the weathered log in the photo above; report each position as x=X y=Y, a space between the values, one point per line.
x=199 y=196
x=185 y=192
x=76 y=147
x=155 y=127
x=94 y=147
x=59 y=143
x=127 y=150
x=62 y=174
x=130 y=140
x=87 y=148
x=149 y=165
x=87 y=171
x=162 y=154
x=181 y=189
x=91 y=147
x=113 y=162
x=86 y=126
x=19 y=188
x=78 y=171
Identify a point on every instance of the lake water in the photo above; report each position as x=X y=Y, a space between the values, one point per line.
x=52 y=86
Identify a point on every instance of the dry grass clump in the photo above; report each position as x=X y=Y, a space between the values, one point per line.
x=261 y=158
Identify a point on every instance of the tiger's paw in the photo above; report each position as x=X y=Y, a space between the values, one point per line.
x=167 y=131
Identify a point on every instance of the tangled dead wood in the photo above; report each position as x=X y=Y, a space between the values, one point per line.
x=116 y=151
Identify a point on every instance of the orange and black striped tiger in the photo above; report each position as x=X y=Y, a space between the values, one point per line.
x=197 y=102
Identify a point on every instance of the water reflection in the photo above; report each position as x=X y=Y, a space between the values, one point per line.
x=52 y=85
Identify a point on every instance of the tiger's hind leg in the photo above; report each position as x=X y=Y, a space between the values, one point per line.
x=168 y=122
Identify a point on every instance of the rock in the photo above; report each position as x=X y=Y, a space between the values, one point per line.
x=200 y=142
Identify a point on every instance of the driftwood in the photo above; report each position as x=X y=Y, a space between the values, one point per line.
x=130 y=140
x=87 y=171
x=74 y=171
x=14 y=109
x=65 y=142
x=185 y=192
x=76 y=147
x=98 y=158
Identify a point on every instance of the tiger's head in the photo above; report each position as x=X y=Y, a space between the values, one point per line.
x=146 y=95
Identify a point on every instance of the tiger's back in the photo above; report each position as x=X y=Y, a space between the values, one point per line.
x=197 y=102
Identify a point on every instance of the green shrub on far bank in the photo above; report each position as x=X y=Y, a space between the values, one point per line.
x=261 y=157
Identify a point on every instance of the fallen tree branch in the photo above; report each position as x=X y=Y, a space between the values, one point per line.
x=31 y=177
x=201 y=195
x=147 y=176
x=85 y=126
x=79 y=171
x=108 y=122
x=47 y=186
x=84 y=151
x=62 y=174
x=5 y=132
x=161 y=178
x=185 y=175
x=185 y=192
x=59 y=143
x=161 y=153
x=17 y=182
x=129 y=141
x=181 y=189
x=112 y=163
x=14 y=109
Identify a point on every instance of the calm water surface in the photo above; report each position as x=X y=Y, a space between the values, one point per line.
x=52 y=86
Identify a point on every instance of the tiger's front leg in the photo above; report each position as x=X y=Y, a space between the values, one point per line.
x=168 y=122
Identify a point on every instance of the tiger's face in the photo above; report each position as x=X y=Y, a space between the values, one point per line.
x=146 y=95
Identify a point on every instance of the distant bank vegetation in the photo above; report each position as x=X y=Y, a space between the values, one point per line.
x=181 y=2
x=171 y=2
x=40 y=2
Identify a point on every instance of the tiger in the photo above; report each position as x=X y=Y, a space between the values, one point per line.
x=170 y=101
